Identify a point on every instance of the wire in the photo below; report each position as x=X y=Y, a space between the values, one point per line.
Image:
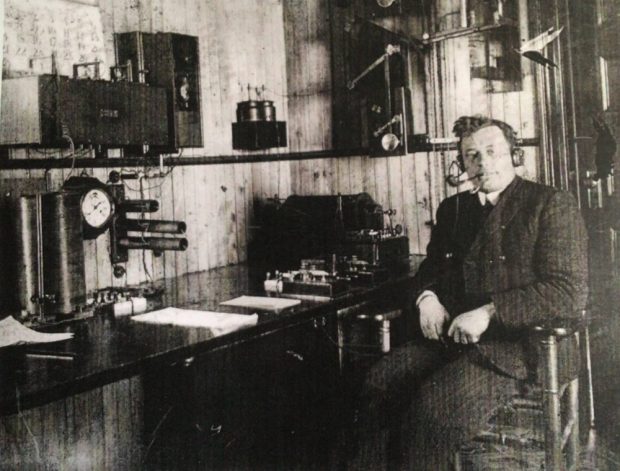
x=72 y=147
x=156 y=186
x=303 y=93
x=155 y=432
x=152 y=187
x=146 y=270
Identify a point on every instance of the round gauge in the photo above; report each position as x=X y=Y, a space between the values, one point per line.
x=97 y=208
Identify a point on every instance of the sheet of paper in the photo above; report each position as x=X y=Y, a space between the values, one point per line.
x=219 y=322
x=13 y=332
x=262 y=302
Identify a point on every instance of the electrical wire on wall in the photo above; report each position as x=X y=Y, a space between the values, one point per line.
x=147 y=173
x=67 y=137
x=142 y=213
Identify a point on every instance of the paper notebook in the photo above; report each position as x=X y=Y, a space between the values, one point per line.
x=218 y=322
x=12 y=332
x=262 y=302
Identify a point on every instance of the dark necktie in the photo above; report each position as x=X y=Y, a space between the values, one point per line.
x=486 y=209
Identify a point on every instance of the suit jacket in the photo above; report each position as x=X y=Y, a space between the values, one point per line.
x=529 y=258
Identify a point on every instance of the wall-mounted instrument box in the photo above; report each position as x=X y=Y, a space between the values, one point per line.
x=171 y=61
x=256 y=126
x=44 y=109
x=373 y=104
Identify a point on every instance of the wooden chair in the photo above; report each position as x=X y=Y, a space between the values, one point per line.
x=562 y=436
x=557 y=445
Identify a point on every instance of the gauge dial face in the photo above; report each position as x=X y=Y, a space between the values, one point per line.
x=97 y=208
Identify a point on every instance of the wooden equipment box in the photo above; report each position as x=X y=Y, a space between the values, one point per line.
x=171 y=61
x=43 y=109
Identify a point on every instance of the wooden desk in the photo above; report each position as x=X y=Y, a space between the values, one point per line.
x=96 y=411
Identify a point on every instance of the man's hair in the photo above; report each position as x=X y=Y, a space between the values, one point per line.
x=467 y=125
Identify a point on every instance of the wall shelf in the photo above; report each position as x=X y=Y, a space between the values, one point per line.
x=44 y=164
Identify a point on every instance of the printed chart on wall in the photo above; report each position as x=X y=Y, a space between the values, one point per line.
x=34 y=30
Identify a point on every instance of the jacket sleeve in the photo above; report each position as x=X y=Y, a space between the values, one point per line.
x=561 y=269
x=427 y=276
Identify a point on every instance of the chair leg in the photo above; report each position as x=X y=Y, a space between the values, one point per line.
x=551 y=407
x=588 y=357
x=458 y=466
x=573 y=444
x=590 y=456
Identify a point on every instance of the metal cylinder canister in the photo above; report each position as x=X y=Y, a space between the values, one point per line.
x=268 y=111
x=156 y=225
x=248 y=111
x=63 y=249
x=153 y=243
x=27 y=247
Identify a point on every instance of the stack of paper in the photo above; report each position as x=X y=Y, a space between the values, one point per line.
x=218 y=322
x=262 y=302
x=14 y=333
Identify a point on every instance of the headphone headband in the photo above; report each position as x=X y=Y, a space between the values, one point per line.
x=467 y=125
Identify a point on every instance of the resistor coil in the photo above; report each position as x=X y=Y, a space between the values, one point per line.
x=153 y=243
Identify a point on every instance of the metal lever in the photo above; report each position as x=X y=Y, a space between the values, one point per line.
x=389 y=50
x=395 y=119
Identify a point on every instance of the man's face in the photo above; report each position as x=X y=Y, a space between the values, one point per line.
x=487 y=159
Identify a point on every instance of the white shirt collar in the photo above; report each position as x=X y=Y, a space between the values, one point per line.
x=490 y=197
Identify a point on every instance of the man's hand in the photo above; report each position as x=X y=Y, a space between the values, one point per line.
x=433 y=316
x=469 y=326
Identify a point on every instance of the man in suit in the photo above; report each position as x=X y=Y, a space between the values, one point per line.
x=502 y=257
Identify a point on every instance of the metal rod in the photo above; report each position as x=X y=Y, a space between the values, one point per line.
x=389 y=50
x=40 y=285
x=573 y=441
x=156 y=225
x=463 y=13
x=561 y=103
x=591 y=416
x=573 y=112
x=29 y=164
x=456 y=33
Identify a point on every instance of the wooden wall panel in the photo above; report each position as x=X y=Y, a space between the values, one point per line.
x=98 y=429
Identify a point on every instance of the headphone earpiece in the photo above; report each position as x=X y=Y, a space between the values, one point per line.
x=517 y=157
x=460 y=163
